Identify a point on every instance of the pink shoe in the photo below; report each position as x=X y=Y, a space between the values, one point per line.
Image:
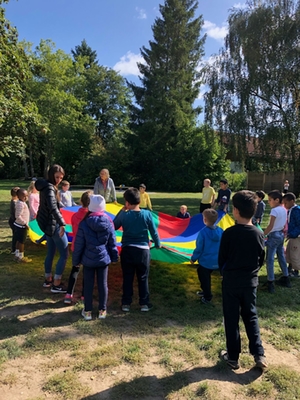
x=68 y=298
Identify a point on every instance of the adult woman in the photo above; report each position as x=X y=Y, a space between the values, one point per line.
x=105 y=186
x=52 y=224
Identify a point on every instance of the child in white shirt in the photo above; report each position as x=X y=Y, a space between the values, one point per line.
x=275 y=234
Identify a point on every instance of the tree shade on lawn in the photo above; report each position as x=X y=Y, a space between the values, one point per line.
x=178 y=236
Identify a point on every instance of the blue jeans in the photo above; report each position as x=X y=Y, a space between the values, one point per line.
x=275 y=246
x=61 y=244
x=89 y=279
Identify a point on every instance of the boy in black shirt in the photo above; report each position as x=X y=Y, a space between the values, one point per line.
x=241 y=255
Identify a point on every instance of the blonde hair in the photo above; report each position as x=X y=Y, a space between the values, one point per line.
x=65 y=183
x=31 y=187
x=184 y=206
x=207 y=180
x=210 y=215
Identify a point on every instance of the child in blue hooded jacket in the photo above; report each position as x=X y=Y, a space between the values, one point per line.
x=206 y=253
x=95 y=248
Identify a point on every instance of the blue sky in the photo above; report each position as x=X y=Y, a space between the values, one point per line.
x=116 y=29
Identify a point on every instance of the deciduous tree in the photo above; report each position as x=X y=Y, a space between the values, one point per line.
x=254 y=83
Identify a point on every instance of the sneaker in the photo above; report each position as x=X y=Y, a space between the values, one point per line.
x=125 y=308
x=68 y=299
x=200 y=293
x=87 y=315
x=284 y=281
x=271 y=287
x=146 y=307
x=102 y=314
x=233 y=364
x=58 y=289
x=204 y=301
x=260 y=362
x=47 y=283
x=24 y=260
x=13 y=252
x=296 y=273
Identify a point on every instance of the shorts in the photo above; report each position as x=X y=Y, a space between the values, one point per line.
x=293 y=253
x=20 y=234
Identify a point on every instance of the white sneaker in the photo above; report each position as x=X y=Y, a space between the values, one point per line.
x=87 y=315
x=102 y=314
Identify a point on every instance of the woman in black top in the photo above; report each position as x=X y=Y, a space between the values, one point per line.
x=52 y=224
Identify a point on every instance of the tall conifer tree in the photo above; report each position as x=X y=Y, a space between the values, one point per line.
x=164 y=118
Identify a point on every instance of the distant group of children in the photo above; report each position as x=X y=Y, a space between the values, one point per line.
x=238 y=253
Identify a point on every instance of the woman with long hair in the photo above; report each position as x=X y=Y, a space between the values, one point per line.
x=51 y=222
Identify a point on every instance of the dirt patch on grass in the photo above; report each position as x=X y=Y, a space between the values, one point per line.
x=27 y=376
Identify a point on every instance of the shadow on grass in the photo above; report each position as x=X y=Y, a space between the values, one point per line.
x=159 y=388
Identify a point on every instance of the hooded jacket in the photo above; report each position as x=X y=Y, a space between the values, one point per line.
x=75 y=220
x=207 y=247
x=95 y=242
x=48 y=215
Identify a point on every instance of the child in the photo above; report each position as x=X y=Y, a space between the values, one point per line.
x=241 y=255
x=66 y=199
x=75 y=220
x=223 y=198
x=293 y=234
x=274 y=244
x=135 y=254
x=206 y=252
x=21 y=225
x=95 y=248
x=260 y=210
x=286 y=186
x=33 y=200
x=12 y=216
x=208 y=195
x=183 y=213
x=145 y=199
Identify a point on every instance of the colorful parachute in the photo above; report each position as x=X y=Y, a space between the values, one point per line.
x=178 y=236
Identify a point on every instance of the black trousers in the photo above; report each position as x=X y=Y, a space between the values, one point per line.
x=204 y=275
x=204 y=207
x=241 y=302
x=135 y=261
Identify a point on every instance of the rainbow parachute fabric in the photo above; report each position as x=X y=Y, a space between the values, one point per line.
x=177 y=236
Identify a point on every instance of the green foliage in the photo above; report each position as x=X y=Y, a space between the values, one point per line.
x=236 y=181
x=164 y=119
x=16 y=111
x=254 y=84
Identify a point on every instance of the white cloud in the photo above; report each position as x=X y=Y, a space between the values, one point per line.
x=215 y=31
x=128 y=64
x=141 y=13
x=240 y=5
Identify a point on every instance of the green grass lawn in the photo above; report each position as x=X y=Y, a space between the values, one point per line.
x=47 y=351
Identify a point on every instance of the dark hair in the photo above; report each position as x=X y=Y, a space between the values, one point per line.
x=245 y=202
x=132 y=195
x=225 y=181
x=52 y=171
x=289 y=196
x=20 y=192
x=14 y=190
x=260 y=193
x=275 y=194
x=85 y=198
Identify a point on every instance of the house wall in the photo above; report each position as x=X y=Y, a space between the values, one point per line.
x=269 y=181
